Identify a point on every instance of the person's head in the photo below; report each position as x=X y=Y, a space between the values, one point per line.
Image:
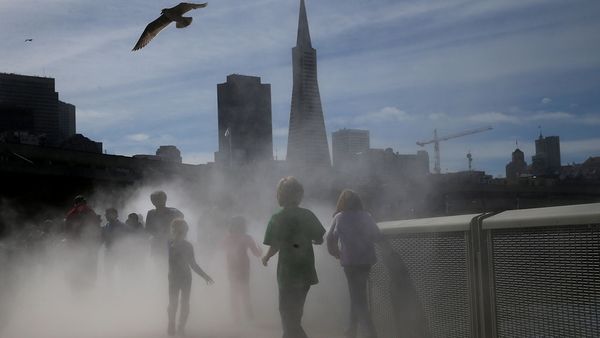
x=79 y=200
x=348 y=201
x=179 y=228
x=111 y=214
x=289 y=192
x=133 y=218
x=159 y=198
x=238 y=225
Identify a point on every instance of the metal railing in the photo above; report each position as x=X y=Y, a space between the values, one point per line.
x=519 y=273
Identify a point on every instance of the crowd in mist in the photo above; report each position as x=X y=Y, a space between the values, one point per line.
x=108 y=271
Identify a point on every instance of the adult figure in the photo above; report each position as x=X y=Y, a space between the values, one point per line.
x=82 y=227
x=158 y=223
x=113 y=233
x=351 y=239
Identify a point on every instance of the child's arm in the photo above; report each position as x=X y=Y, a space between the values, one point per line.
x=332 y=241
x=196 y=268
x=270 y=253
x=256 y=251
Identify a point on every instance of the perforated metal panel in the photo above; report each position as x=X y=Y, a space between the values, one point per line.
x=547 y=281
x=437 y=265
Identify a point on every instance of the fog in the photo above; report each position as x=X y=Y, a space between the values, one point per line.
x=37 y=300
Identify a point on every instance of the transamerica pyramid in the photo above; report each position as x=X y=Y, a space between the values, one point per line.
x=307 y=138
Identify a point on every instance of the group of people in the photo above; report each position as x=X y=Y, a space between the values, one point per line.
x=290 y=234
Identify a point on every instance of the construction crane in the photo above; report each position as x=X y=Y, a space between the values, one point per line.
x=436 y=143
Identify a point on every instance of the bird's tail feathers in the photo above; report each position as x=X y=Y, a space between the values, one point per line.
x=184 y=22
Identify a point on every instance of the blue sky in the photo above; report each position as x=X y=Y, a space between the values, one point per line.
x=398 y=68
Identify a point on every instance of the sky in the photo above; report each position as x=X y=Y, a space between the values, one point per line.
x=397 y=68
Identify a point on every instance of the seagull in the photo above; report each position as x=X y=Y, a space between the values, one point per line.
x=167 y=16
x=28 y=40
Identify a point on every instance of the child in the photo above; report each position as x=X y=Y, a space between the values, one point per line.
x=181 y=259
x=237 y=243
x=292 y=231
x=351 y=239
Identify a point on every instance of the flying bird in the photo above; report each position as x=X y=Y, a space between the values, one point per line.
x=167 y=16
x=28 y=40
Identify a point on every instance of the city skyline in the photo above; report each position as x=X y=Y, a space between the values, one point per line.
x=397 y=69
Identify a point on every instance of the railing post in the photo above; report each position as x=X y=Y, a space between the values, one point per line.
x=482 y=279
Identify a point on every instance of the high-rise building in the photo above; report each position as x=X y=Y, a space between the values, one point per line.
x=517 y=166
x=547 y=155
x=245 y=128
x=66 y=119
x=346 y=144
x=30 y=104
x=307 y=138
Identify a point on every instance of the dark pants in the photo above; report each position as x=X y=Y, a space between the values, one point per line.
x=291 y=308
x=177 y=286
x=359 y=309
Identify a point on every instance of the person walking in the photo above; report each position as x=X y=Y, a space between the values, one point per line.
x=351 y=239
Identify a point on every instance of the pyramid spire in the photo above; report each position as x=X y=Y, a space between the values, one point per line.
x=303 y=39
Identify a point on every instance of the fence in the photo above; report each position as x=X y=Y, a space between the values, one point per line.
x=519 y=273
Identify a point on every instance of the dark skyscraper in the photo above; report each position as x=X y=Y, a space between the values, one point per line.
x=30 y=104
x=547 y=155
x=66 y=119
x=307 y=139
x=245 y=130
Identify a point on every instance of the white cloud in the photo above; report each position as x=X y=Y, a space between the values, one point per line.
x=550 y=116
x=546 y=100
x=591 y=119
x=197 y=157
x=140 y=137
x=386 y=114
x=585 y=147
x=437 y=116
x=280 y=132
x=493 y=117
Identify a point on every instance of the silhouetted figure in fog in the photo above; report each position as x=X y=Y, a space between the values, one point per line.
x=237 y=243
x=291 y=232
x=351 y=239
x=133 y=222
x=181 y=262
x=82 y=228
x=158 y=222
x=113 y=234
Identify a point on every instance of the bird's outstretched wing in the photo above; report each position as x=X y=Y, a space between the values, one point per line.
x=185 y=7
x=151 y=31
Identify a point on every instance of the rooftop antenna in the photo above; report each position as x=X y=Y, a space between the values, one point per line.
x=540 y=130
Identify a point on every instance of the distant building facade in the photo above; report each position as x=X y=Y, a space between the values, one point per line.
x=387 y=164
x=66 y=120
x=307 y=138
x=169 y=153
x=517 y=166
x=245 y=120
x=546 y=160
x=30 y=104
x=346 y=144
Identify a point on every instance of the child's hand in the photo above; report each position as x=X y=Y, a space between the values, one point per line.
x=265 y=260
x=209 y=281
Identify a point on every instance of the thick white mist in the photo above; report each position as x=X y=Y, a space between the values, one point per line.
x=132 y=302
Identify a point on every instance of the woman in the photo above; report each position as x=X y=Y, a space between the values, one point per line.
x=351 y=239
